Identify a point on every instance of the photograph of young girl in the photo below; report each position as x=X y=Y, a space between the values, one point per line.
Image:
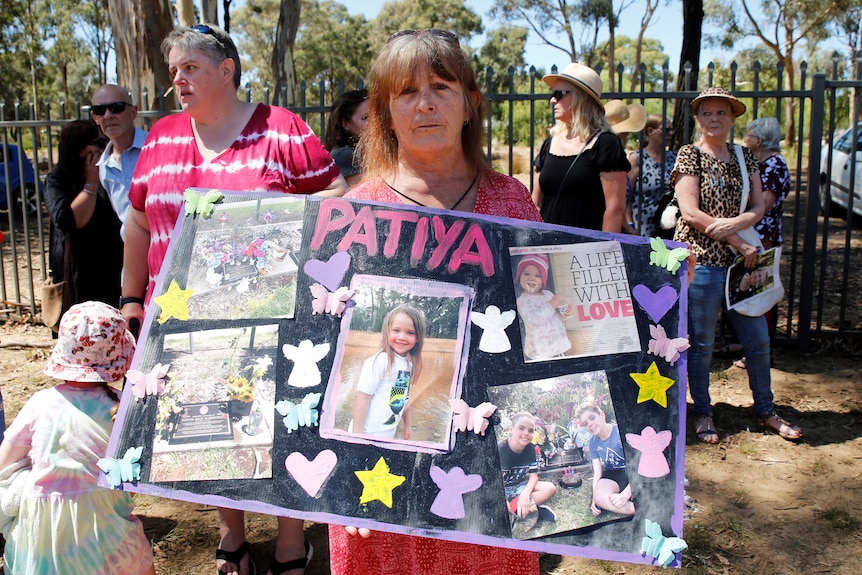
x=397 y=363
x=580 y=479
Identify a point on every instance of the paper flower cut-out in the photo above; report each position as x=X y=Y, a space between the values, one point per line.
x=653 y=385
x=305 y=356
x=468 y=418
x=449 y=503
x=174 y=302
x=664 y=258
x=662 y=549
x=329 y=302
x=202 y=204
x=302 y=414
x=655 y=304
x=653 y=463
x=311 y=475
x=494 y=323
x=662 y=346
x=329 y=273
x=119 y=470
x=144 y=384
x=378 y=483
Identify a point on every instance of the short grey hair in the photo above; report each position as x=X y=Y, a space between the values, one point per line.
x=767 y=130
x=216 y=43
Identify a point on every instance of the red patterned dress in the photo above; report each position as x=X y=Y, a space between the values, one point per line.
x=396 y=554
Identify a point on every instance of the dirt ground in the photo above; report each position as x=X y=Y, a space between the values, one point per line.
x=756 y=504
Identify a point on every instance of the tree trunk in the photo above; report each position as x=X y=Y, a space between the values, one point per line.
x=209 y=11
x=692 y=14
x=186 y=12
x=612 y=42
x=226 y=6
x=789 y=108
x=283 y=73
x=139 y=27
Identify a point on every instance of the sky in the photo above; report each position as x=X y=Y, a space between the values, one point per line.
x=666 y=25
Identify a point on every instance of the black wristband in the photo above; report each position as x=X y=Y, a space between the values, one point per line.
x=130 y=299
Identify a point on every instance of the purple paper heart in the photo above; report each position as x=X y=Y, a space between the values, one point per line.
x=329 y=273
x=655 y=304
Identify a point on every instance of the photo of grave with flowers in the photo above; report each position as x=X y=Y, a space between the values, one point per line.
x=243 y=262
x=215 y=419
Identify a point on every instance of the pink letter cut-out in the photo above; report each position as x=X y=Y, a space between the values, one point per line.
x=363 y=231
x=653 y=463
x=449 y=503
x=325 y=221
x=481 y=257
x=311 y=475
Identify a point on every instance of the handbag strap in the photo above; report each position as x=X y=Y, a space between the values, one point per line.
x=745 y=183
x=67 y=258
x=578 y=157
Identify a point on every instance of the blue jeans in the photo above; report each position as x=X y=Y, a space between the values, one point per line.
x=705 y=302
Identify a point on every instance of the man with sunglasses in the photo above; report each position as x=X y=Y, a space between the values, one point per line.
x=114 y=113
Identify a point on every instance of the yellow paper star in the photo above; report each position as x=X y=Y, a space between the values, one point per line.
x=653 y=385
x=174 y=302
x=378 y=483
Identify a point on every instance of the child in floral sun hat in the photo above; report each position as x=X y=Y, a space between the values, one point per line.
x=66 y=522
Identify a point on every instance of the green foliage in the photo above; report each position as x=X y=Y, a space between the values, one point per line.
x=332 y=47
x=253 y=29
x=652 y=56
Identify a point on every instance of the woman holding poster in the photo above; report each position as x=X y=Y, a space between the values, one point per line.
x=708 y=184
x=423 y=147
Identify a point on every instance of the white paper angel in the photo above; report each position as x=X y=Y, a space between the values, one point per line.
x=494 y=323
x=305 y=356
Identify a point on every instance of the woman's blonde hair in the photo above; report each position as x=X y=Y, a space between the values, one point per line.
x=587 y=117
x=419 y=324
x=395 y=67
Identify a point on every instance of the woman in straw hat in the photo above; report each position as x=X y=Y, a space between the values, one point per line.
x=582 y=166
x=708 y=183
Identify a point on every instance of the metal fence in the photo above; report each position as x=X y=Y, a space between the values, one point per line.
x=821 y=259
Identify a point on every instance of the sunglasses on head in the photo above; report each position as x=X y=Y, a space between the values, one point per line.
x=560 y=94
x=204 y=29
x=114 y=107
x=444 y=34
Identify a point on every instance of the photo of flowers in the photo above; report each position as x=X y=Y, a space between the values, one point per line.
x=216 y=417
x=243 y=259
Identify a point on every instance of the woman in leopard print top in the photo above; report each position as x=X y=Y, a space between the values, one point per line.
x=707 y=179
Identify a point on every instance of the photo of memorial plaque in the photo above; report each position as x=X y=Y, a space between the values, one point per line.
x=198 y=422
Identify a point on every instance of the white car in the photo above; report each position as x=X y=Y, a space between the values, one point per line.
x=843 y=165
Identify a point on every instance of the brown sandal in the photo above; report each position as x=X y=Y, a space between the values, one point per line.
x=704 y=427
x=781 y=426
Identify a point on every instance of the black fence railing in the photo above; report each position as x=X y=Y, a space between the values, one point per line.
x=822 y=254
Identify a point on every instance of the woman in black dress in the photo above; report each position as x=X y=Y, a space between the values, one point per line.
x=582 y=166
x=78 y=206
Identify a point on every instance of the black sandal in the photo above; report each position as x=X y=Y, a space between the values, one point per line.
x=276 y=567
x=235 y=557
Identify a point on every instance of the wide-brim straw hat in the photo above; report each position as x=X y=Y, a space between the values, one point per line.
x=625 y=119
x=93 y=345
x=736 y=105
x=582 y=77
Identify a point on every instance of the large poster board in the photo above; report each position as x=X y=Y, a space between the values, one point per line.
x=371 y=364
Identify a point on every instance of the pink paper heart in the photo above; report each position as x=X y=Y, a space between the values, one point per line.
x=655 y=304
x=311 y=475
x=331 y=272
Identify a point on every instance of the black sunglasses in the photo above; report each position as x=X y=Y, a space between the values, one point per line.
x=114 y=107
x=444 y=34
x=560 y=94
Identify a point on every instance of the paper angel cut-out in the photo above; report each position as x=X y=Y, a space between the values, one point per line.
x=662 y=346
x=664 y=258
x=468 y=418
x=302 y=414
x=329 y=302
x=119 y=470
x=662 y=549
x=144 y=384
x=493 y=323
x=305 y=356
x=449 y=503
x=653 y=463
